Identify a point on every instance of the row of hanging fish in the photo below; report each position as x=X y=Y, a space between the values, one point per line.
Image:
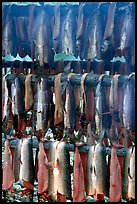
x=91 y=31
x=98 y=112
x=93 y=174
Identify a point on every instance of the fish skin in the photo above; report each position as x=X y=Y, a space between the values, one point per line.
x=27 y=164
x=128 y=109
x=17 y=159
x=115 y=190
x=58 y=114
x=41 y=104
x=28 y=92
x=18 y=104
x=90 y=105
x=127 y=30
x=80 y=30
x=59 y=176
x=89 y=167
x=77 y=95
x=92 y=42
x=6 y=37
x=8 y=175
x=42 y=174
x=68 y=32
x=109 y=29
x=41 y=40
x=131 y=176
x=101 y=170
x=90 y=137
x=57 y=28
x=5 y=96
x=125 y=182
x=78 y=182
x=70 y=108
x=100 y=108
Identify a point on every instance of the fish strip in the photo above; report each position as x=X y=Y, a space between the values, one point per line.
x=78 y=182
x=115 y=190
x=8 y=175
x=28 y=92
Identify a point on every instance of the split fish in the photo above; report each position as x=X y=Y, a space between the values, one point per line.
x=68 y=32
x=41 y=104
x=59 y=177
x=92 y=42
x=8 y=45
x=5 y=98
x=97 y=182
x=57 y=28
x=100 y=108
x=78 y=182
x=115 y=190
x=70 y=109
x=127 y=29
x=8 y=175
x=59 y=114
x=17 y=159
x=125 y=168
x=26 y=164
x=131 y=176
x=28 y=93
x=129 y=104
x=42 y=174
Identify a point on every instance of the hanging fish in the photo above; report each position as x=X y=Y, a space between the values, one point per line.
x=78 y=175
x=28 y=93
x=125 y=172
x=18 y=104
x=131 y=176
x=58 y=88
x=93 y=40
x=68 y=32
x=59 y=178
x=17 y=159
x=80 y=29
x=42 y=174
x=97 y=182
x=115 y=190
x=41 y=39
x=101 y=116
x=127 y=29
x=26 y=164
x=109 y=37
x=41 y=104
x=5 y=98
x=70 y=109
x=8 y=175
x=8 y=36
x=128 y=109
x=57 y=28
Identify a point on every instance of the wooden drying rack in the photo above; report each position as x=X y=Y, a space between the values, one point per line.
x=84 y=148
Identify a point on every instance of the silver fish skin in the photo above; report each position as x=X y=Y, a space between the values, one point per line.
x=17 y=159
x=41 y=41
x=127 y=28
x=100 y=107
x=131 y=176
x=59 y=177
x=93 y=40
x=70 y=109
x=41 y=104
x=57 y=28
x=129 y=104
x=125 y=182
x=27 y=163
x=68 y=33
x=110 y=22
x=5 y=96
